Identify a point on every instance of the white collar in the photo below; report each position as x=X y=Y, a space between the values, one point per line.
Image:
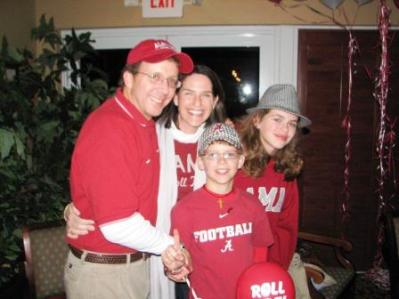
x=182 y=137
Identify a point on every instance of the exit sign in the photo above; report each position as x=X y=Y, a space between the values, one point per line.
x=162 y=8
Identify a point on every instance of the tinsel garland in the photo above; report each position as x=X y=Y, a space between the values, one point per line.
x=347 y=125
x=381 y=95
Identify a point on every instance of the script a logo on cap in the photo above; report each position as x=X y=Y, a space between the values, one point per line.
x=163 y=45
x=268 y=290
x=217 y=128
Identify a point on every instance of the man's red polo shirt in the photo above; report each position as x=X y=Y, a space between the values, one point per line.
x=114 y=170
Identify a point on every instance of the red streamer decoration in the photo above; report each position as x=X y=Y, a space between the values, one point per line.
x=347 y=125
x=390 y=141
x=381 y=95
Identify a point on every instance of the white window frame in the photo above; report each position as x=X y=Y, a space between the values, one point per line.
x=277 y=44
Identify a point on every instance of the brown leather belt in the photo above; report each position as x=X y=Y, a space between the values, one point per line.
x=107 y=258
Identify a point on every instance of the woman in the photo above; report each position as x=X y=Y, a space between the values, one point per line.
x=198 y=102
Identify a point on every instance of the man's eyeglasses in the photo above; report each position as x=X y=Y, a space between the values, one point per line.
x=217 y=156
x=158 y=78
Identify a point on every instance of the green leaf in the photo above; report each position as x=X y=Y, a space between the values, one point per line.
x=20 y=147
x=48 y=130
x=15 y=55
x=6 y=142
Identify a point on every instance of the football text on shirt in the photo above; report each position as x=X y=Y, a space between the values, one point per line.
x=223 y=232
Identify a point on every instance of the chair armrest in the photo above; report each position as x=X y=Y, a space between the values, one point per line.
x=340 y=246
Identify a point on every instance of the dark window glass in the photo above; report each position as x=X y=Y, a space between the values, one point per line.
x=237 y=67
x=111 y=62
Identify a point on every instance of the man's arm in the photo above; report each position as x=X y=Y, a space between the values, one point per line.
x=138 y=233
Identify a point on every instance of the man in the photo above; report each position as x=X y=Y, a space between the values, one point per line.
x=114 y=181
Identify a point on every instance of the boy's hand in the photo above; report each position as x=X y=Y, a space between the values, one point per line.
x=179 y=276
x=188 y=262
x=177 y=260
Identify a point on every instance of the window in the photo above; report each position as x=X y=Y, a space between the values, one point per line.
x=257 y=55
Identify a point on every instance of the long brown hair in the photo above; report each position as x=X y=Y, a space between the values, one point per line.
x=288 y=160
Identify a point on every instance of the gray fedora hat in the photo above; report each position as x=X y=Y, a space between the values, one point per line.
x=283 y=97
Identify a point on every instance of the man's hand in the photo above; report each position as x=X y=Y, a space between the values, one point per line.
x=76 y=226
x=180 y=275
x=177 y=260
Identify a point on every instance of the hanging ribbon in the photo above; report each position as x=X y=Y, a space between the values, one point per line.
x=391 y=141
x=347 y=125
x=381 y=95
x=195 y=296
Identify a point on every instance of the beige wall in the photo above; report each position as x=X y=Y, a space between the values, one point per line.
x=113 y=13
x=17 y=18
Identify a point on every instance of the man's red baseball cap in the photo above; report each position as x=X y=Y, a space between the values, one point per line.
x=152 y=50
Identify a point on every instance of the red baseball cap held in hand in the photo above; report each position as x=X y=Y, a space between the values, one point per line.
x=153 y=50
x=265 y=280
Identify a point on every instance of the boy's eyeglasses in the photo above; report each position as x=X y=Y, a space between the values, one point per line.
x=158 y=78
x=217 y=156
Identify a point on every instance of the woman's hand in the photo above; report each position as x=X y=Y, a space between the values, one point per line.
x=76 y=226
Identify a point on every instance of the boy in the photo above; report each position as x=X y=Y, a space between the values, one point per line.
x=224 y=229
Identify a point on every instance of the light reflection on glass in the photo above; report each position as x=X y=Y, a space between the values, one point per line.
x=247 y=89
x=235 y=75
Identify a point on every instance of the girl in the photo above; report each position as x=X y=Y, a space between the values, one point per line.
x=272 y=164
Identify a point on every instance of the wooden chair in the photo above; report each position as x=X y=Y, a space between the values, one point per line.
x=329 y=254
x=45 y=255
x=391 y=250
